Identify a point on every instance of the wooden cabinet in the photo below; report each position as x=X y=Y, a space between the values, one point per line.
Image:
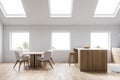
x=92 y=60
x=116 y=55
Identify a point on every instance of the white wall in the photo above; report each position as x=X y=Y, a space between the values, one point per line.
x=1 y=41
x=40 y=38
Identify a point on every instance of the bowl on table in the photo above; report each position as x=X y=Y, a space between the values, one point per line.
x=86 y=46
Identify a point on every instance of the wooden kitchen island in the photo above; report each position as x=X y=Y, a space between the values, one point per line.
x=92 y=60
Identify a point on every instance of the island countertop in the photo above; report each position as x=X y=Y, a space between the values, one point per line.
x=90 y=49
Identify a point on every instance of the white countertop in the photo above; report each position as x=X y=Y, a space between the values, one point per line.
x=90 y=49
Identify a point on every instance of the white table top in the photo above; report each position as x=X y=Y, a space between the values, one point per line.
x=33 y=52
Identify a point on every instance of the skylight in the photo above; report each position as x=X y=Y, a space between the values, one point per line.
x=60 y=8
x=107 y=8
x=12 y=8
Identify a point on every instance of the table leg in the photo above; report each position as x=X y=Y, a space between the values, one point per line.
x=34 y=60
x=37 y=62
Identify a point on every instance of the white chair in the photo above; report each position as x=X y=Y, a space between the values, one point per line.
x=46 y=58
x=20 y=59
x=51 y=58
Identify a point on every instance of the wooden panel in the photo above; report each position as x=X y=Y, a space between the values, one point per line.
x=79 y=60
x=32 y=60
x=89 y=60
x=99 y=60
x=37 y=62
x=83 y=60
x=104 y=60
x=93 y=60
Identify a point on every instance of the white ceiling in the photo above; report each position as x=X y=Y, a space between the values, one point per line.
x=37 y=12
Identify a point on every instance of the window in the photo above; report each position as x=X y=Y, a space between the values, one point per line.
x=100 y=40
x=61 y=41
x=60 y=8
x=19 y=41
x=12 y=8
x=107 y=8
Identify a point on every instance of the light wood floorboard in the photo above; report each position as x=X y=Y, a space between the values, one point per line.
x=61 y=71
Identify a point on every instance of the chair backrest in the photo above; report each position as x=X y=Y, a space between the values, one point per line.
x=17 y=55
x=51 y=50
x=75 y=50
x=47 y=55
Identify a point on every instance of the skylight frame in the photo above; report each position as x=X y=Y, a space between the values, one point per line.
x=108 y=15
x=58 y=15
x=12 y=15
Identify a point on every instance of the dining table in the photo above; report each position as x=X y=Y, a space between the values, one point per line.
x=33 y=58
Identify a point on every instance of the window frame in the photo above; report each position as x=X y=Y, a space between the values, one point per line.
x=109 y=39
x=10 y=42
x=61 y=49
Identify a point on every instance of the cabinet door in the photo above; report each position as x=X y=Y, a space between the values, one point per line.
x=85 y=60
x=104 y=60
x=97 y=60
x=93 y=60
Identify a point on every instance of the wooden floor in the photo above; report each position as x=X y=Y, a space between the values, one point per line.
x=60 y=72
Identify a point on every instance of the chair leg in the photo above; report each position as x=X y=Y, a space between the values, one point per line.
x=43 y=64
x=24 y=63
x=75 y=59
x=40 y=63
x=69 y=59
x=20 y=65
x=15 y=64
x=52 y=60
x=28 y=64
x=50 y=64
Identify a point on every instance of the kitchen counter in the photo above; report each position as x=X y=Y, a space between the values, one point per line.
x=92 y=60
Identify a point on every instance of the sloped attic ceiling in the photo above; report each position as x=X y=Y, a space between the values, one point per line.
x=37 y=12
